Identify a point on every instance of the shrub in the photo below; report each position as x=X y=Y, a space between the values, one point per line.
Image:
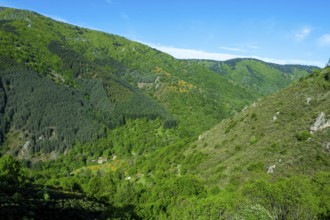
x=253 y=140
x=302 y=135
x=259 y=165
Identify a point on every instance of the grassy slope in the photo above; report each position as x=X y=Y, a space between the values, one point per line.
x=245 y=145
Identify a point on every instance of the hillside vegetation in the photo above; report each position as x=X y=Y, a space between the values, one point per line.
x=250 y=166
x=258 y=76
x=95 y=126
x=110 y=77
x=276 y=131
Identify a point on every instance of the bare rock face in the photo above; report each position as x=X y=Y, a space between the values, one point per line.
x=24 y=153
x=308 y=100
x=271 y=169
x=326 y=147
x=320 y=123
x=275 y=116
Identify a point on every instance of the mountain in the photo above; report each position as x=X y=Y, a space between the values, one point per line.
x=269 y=161
x=56 y=71
x=288 y=131
x=99 y=126
x=110 y=79
x=258 y=76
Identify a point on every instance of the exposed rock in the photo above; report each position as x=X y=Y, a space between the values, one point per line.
x=142 y=85
x=147 y=85
x=274 y=118
x=25 y=149
x=102 y=160
x=308 y=100
x=53 y=155
x=157 y=80
x=326 y=147
x=320 y=123
x=271 y=169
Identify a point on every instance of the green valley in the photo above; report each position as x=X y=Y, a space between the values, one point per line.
x=96 y=126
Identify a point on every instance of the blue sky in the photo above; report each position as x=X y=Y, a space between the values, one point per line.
x=280 y=31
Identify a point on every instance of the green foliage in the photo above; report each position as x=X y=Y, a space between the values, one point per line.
x=253 y=212
x=10 y=171
x=256 y=166
x=114 y=78
x=292 y=198
x=50 y=116
x=274 y=131
x=253 y=140
x=258 y=76
x=303 y=135
x=127 y=117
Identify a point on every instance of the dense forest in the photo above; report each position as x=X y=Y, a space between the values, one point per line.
x=95 y=126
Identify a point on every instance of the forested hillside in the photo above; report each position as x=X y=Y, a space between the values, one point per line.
x=270 y=161
x=95 y=126
x=111 y=78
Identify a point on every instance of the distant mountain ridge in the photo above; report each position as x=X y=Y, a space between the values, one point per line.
x=256 y=75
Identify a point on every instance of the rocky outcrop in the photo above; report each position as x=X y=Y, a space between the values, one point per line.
x=271 y=169
x=320 y=123
x=275 y=116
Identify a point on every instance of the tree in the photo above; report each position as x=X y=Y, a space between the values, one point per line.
x=10 y=170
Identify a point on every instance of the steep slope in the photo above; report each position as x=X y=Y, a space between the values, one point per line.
x=114 y=101
x=262 y=163
x=115 y=79
x=275 y=135
x=258 y=76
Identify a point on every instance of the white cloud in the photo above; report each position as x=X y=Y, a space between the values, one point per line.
x=57 y=18
x=234 y=49
x=302 y=33
x=109 y=1
x=291 y=61
x=181 y=53
x=324 y=41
